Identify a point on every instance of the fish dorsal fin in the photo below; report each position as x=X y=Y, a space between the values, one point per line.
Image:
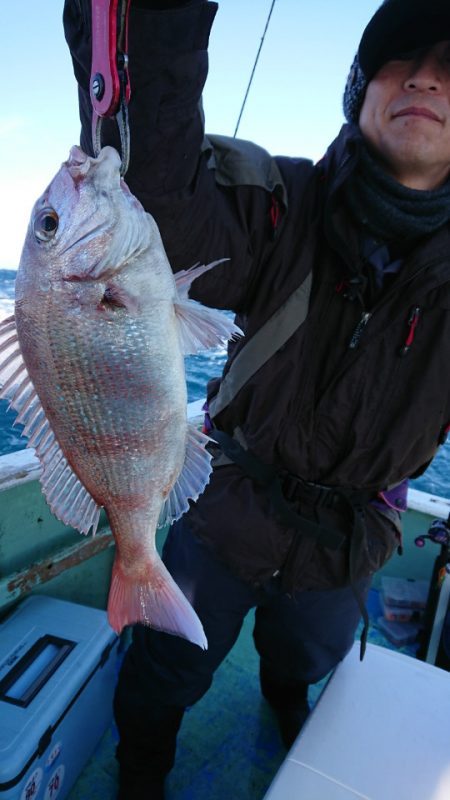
x=192 y=479
x=65 y=494
x=199 y=327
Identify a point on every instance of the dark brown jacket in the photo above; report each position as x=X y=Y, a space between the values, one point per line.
x=366 y=416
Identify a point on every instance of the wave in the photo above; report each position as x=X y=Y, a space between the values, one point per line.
x=6 y=307
x=7 y=281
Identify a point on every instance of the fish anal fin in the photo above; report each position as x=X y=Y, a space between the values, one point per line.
x=192 y=479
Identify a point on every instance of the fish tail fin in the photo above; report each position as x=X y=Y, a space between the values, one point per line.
x=156 y=601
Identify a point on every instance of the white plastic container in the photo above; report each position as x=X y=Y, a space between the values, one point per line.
x=380 y=731
x=404 y=592
x=58 y=667
x=400 y=614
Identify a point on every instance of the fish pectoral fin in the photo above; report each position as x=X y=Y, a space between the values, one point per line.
x=192 y=479
x=157 y=602
x=185 y=277
x=68 y=499
x=200 y=327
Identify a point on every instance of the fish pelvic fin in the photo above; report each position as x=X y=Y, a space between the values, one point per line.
x=66 y=496
x=192 y=479
x=200 y=327
x=156 y=601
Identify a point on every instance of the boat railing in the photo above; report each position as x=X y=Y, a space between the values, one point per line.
x=36 y=548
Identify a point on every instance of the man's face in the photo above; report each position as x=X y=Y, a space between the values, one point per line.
x=405 y=118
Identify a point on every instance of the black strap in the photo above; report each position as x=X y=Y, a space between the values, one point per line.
x=262 y=346
x=267 y=476
x=356 y=543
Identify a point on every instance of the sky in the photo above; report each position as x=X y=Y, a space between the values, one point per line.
x=294 y=106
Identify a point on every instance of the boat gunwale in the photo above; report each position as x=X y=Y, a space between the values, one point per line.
x=23 y=466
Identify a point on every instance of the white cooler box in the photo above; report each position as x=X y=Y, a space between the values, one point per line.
x=58 y=668
x=380 y=731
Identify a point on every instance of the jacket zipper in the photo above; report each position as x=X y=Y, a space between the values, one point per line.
x=359 y=330
x=366 y=315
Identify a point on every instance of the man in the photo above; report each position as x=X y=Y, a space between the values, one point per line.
x=340 y=390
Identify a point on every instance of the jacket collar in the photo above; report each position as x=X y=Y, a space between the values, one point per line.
x=337 y=165
x=342 y=156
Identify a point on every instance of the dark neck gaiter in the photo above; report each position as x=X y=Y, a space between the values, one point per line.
x=389 y=211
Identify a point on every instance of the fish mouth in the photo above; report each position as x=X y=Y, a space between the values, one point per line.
x=79 y=162
x=77 y=157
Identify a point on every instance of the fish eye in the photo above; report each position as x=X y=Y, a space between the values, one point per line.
x=45 y=224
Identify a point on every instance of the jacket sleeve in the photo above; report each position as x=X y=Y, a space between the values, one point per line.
x=198 y=219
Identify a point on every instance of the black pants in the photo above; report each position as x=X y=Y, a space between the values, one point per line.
x=300 y=639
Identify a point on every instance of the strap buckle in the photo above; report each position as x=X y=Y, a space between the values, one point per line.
x=295 y=489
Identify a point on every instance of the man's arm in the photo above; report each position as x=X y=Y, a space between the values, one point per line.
x=168 y=68
x=168 y=172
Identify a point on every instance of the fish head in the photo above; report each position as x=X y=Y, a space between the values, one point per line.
x=86 y=230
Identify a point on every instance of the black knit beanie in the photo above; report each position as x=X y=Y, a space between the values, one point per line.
x=398 y=26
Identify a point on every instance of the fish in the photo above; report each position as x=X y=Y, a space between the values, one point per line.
x=92 y=361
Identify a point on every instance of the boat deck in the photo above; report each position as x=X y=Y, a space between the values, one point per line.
x=228 y=745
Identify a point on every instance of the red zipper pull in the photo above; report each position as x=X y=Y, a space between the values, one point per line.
x=413 y=321
x=275 y=213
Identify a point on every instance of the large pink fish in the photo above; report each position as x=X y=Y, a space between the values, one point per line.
x=93 y=363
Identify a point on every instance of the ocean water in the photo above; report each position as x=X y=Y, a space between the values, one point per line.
x=436 y=480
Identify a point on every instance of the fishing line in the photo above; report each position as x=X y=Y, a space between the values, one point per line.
x=254 y=68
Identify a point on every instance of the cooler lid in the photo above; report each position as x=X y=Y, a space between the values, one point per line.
x=49 y=650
